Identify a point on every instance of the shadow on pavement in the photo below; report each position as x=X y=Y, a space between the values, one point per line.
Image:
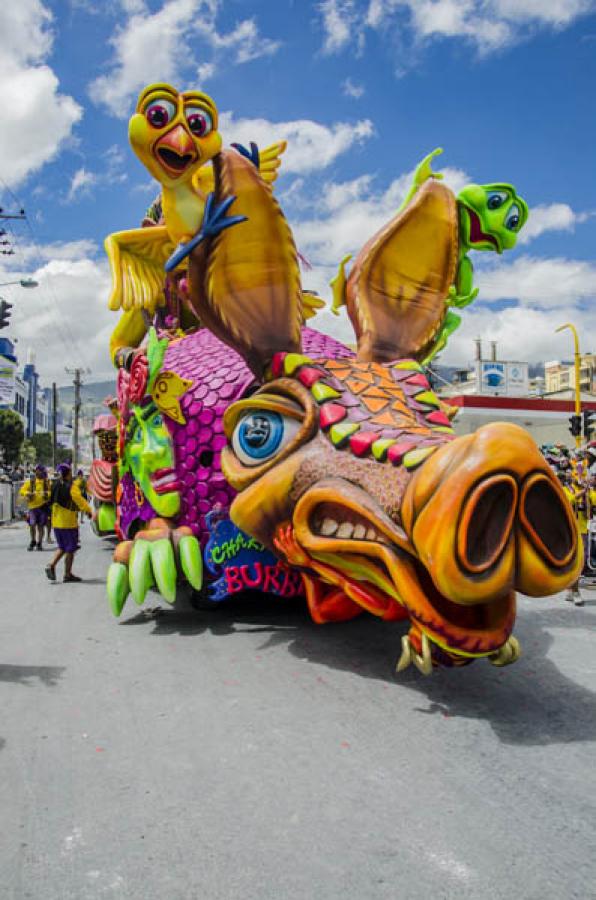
x=530 y=703
x=49 y=675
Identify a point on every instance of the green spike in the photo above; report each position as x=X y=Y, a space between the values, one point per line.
x=380 y=448
x=410 y=364
x=117 y=587
x=164 y=568
x=191 y=560
x=340 y=433
x=428 y=397
x=322 y=391
x=413 y=458
x=293 y=361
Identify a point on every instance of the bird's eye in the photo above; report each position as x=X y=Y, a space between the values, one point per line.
x=513 y=219
x=260 y=434
x=157 y=420
x=160 y=112
x=496 y=199
x=199 y=120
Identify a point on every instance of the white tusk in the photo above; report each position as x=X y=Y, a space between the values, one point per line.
x=509 y=653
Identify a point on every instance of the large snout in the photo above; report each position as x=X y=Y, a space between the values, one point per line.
x=486 y=515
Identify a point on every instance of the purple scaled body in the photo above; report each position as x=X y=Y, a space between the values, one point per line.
x=220 y=376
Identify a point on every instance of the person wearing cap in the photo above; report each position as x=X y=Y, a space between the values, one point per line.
x=36 y=491
x=67 y=501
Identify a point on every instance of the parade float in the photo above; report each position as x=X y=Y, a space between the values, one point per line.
x=256 y=452
x=103 y=476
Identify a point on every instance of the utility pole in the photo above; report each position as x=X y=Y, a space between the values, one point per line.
x=54 y=425
x=77 y=412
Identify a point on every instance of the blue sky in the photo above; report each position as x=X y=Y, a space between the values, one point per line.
x=362 y=90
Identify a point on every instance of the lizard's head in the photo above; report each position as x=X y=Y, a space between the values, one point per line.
x=172 y=133
x=491 y=216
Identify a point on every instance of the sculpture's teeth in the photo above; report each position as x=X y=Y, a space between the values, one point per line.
x=359 y=532
x=371 y=535
x=329 y=527
x=345 y=530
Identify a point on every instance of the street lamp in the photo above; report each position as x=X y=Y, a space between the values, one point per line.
x=24 y=282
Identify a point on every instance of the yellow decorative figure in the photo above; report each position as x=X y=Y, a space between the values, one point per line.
x=167 y=390
x=175 y=136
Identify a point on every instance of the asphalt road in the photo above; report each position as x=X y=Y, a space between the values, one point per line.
x=248 y=754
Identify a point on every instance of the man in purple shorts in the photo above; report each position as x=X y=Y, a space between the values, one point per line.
x=67 y=501
x=36 y=491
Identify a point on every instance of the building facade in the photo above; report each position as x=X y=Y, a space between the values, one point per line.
x=21 y=391
x=560 y=376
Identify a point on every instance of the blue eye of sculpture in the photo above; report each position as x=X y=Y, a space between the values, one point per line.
x=260 y=434
x=496 y=199
x=513 y=219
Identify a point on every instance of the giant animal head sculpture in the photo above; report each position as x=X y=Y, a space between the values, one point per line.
x=350 y=469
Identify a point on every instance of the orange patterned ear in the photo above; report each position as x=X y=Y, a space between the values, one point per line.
x=245 y=283
x=396 y=290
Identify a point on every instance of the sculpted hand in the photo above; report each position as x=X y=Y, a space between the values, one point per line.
x=461 y=300
x=156 y=557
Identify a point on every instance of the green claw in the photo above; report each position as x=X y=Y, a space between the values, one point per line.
x=191 y=560
x=117 y=587
x=164 y=568
x=139 y=570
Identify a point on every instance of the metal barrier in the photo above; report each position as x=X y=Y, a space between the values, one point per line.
x=6 y=501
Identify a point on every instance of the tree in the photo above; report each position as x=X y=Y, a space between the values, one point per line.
x=42 y=441
x=27 y=453
x=12 y=435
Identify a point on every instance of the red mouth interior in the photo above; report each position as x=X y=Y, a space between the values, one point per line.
x=477 y=235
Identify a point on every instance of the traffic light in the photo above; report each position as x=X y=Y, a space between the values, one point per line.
x=5 y=308
x=575 y=425
x=589 y=425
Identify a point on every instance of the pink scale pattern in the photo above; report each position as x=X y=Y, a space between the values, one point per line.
x=220 y=376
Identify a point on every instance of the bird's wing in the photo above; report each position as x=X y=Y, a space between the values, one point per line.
x=249 y=292
x=137 y=260
x=270 y=160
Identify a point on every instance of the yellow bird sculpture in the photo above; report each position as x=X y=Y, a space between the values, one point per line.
x=175 y=136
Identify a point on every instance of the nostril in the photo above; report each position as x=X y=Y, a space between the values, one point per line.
x=547 y=520
x=486 y=523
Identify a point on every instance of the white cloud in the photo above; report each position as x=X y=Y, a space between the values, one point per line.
x=66 y=319
x=168 y=37
x=39 y=119
x=81 y=183
x=350 y=89
x=552 y=217
x=311 y=145
x=339 y=16
x=63 y=250
x=521 y=333
x=488 y=24
x=541 y=283
x=205 y=71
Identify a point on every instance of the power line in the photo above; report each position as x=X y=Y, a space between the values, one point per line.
x=63 y=329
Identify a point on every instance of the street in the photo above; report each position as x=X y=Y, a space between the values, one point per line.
x=245 y=753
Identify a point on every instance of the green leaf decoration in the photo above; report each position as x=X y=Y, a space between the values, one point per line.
x=156 y=350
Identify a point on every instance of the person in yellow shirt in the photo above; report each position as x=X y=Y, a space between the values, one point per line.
x=36 y=491
x=67 y=501
x=583 y=500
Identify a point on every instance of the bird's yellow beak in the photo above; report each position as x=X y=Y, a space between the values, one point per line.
x=175 y=151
